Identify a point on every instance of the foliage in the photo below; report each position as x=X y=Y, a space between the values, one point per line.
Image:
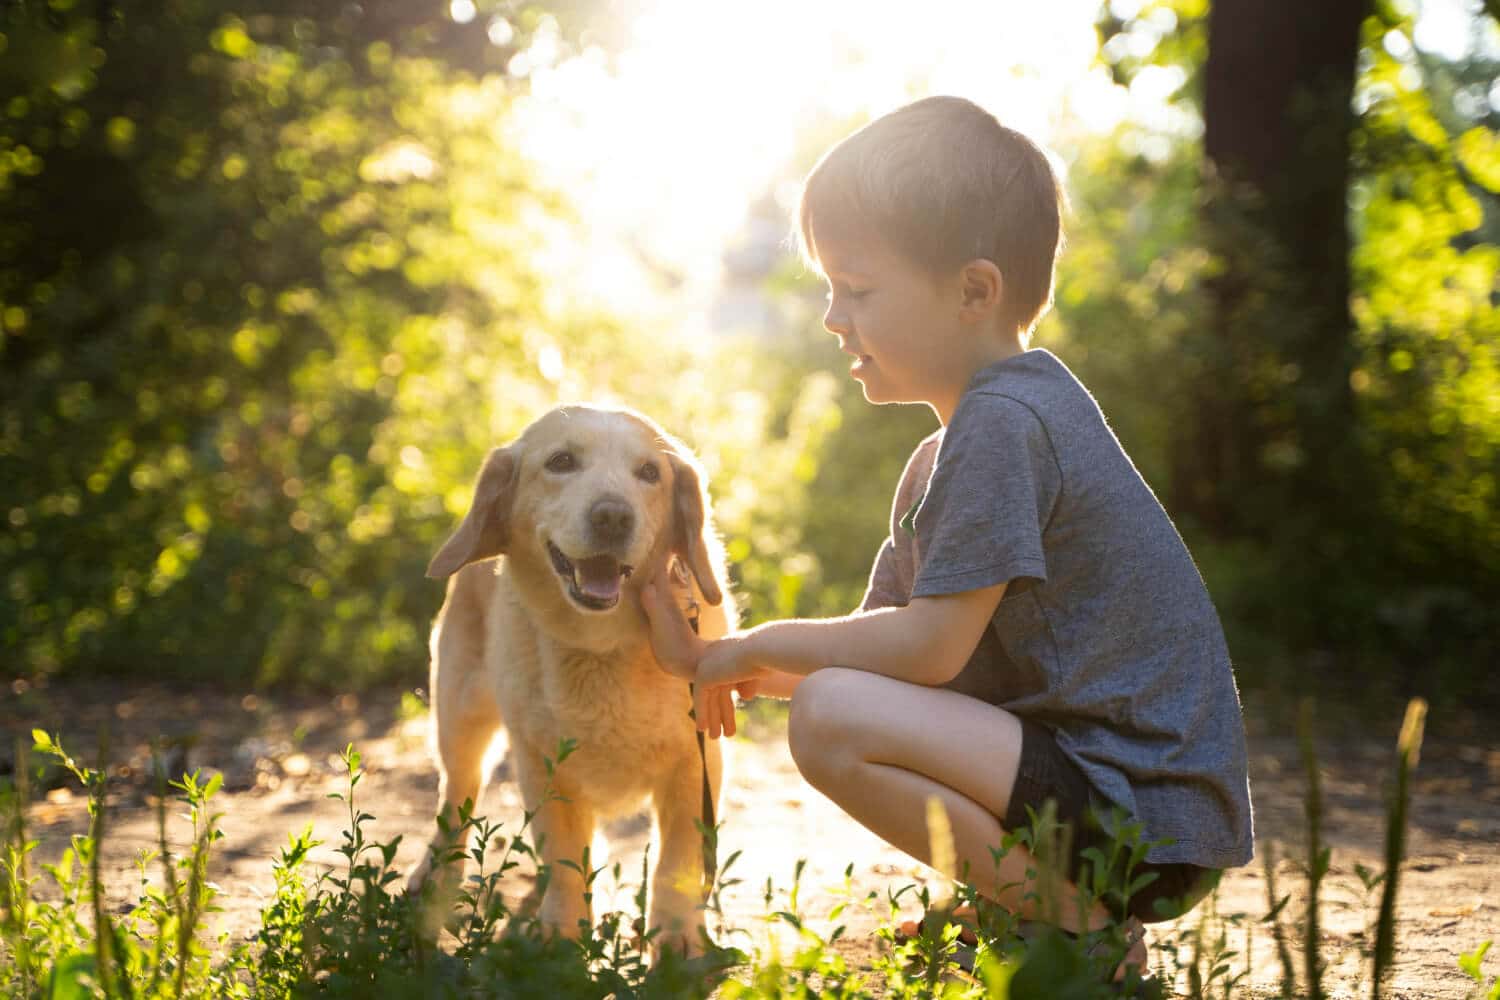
x=1428 y=328
x=228 y=271
x=1403 y=589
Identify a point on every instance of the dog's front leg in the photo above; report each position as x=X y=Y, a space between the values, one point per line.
x=677 y=889
x=465 y=721
x=562 y=828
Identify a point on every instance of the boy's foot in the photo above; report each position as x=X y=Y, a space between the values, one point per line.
x=961 y=958
x=964 y=916
x=1136 y=955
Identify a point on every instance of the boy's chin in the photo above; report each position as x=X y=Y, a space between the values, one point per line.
x=879 y=395
x=869 y=383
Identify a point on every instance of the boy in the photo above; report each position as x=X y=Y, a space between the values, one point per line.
x=1034 y=627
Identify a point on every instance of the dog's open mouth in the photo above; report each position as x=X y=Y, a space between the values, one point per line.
x=593 y=583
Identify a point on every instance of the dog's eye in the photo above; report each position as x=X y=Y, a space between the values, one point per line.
x=650 y=473
x=562 y=461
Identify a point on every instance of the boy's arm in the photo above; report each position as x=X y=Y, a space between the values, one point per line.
x=777 y=684
x=926 y=642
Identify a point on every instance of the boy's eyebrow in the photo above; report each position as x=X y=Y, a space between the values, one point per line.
x=844 y=272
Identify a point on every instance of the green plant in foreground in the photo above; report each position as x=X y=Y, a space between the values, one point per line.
x=1408 y=748
x=351 y=931
x=1317 y=854
x=150 y=950
x=1470 y=963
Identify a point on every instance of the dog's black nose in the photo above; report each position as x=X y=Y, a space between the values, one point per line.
x=611 y=519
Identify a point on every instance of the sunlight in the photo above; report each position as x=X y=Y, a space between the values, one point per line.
x=665 y=147
x=708 y=108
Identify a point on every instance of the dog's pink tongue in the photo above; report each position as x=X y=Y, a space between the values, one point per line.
x=599 y=577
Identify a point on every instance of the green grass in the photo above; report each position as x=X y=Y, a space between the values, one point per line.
x=351 y=931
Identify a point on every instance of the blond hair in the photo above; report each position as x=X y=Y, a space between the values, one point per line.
x=941 y=182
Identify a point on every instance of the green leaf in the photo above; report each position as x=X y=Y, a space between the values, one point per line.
x=1471 y=961
x=1055 y=968
x=1479 y=152
x=73 y=977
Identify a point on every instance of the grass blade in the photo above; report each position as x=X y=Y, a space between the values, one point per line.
x=1408 y=748
x=1317 y=856
x=1274 y=906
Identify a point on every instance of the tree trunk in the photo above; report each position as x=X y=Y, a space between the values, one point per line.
x=1275 y=428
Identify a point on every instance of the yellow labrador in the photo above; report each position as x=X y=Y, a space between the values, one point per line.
x=550 y=640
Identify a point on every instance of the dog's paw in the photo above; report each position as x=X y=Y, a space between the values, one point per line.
x=685 y=938
x=419 y=877
x=436 y=888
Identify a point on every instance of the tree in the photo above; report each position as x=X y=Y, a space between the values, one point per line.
x=1334 y=416
x=227 y=265
x=1275 y=428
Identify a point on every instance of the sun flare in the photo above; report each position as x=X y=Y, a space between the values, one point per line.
x=664 y=147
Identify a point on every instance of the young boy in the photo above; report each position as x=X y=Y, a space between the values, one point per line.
x=1034 y=627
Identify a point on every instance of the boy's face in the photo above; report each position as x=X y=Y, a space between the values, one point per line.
x=899 y=323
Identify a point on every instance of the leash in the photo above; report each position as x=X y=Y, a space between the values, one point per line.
x=710 y=823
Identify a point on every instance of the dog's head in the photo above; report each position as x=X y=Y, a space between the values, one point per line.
x=588 y=498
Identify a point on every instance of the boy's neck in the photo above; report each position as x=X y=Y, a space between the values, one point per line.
x=988 y=351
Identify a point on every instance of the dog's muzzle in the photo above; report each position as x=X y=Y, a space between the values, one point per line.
x=611 y=522
x=594 y=582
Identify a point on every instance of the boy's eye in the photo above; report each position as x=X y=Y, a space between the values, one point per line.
x=847 y=293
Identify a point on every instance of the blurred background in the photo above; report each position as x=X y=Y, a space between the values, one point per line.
x=274 y=276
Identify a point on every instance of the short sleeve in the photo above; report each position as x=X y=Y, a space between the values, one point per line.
x=886 y=588
x=991 y=497
x=891 y=576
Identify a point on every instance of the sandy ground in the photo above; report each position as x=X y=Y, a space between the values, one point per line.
x=279 y=757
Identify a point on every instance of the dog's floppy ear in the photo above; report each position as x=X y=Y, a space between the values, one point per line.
x=689 y=539
x=485 y=530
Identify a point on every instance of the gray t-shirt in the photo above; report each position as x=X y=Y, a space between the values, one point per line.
x=1106 y=633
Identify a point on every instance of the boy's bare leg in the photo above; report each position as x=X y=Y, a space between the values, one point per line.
x=880 y=748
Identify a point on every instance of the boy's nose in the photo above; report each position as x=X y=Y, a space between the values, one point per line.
x=834 y=321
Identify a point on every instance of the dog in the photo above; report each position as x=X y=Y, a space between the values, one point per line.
x=541 y=631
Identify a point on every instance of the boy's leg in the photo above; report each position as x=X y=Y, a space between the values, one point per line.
x=880 y=748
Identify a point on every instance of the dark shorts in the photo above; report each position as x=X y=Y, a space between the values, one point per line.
x=1045 y=772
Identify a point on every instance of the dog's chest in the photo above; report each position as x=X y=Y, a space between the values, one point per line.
x=614 y=703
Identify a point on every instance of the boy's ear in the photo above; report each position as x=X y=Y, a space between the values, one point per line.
x=982 y=285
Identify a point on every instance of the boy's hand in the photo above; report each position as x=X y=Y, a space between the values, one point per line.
x=676 y=645
x=714 y=711
x=682 y=653
x=724 y=666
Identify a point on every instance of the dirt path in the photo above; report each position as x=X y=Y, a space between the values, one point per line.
x=280 y=760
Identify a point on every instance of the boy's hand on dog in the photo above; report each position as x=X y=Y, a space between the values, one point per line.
x=715 y=668
x=676 y=645
x=724 y=666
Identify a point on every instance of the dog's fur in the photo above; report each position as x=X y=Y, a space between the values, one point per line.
x=557 y=655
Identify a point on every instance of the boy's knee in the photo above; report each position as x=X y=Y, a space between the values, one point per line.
x=819 y=716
